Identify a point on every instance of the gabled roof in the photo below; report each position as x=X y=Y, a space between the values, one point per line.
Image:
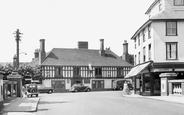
x=82 y=57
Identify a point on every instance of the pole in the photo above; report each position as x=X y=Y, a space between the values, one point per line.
x=17 y=39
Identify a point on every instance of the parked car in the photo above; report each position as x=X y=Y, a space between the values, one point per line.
x=79 y=88
x=118 y=84
x=43 y=89
x=31 y=89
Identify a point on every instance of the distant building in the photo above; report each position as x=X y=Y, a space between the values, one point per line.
x=62 y=67
x=159 y=57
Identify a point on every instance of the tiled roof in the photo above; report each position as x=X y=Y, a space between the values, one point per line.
x=82 y=57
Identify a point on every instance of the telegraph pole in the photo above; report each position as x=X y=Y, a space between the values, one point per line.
x=17 y=39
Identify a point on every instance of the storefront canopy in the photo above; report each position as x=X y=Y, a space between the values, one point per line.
x=137 y=69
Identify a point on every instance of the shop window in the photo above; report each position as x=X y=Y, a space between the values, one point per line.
x=98 y=84
x=87 y=81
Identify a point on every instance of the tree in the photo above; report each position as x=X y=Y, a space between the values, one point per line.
x=30 y=72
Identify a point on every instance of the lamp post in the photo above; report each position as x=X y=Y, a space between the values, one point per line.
x=17 y=39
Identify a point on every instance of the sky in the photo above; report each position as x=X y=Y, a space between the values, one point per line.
x=62 y=23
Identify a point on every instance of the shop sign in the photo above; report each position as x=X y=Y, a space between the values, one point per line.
x=168 y=75
x=162 y=69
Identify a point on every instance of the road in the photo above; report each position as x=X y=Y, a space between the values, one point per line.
x=104 y=103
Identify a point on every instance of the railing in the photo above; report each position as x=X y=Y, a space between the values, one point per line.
x=176 y=87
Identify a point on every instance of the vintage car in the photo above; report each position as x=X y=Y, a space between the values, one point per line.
x=31 y=89
x=43 y=89
x=79 y=88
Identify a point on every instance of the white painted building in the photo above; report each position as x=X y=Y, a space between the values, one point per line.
x=159 y=45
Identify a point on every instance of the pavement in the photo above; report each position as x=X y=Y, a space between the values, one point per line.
x=31 y=104
x=20 y=105
x=171 y=98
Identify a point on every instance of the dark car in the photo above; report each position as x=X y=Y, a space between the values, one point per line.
x=79 y=88
x=43 y=89
x=31 y=89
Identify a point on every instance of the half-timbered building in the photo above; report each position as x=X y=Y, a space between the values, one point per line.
x=62 y=67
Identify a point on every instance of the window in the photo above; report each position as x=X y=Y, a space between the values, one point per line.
x=98 y=71
x=149 y=31
x=58 y=71
x=178 y=2
x=160 y=7
x=144 y=54
x=171 y=28
x=135 y=59
x=139 y=57
x=149 y=51
x=138 y=39
x=171 y=50
x=143 y=35
x=135 y=43
x=76 y=70
x=120 y=71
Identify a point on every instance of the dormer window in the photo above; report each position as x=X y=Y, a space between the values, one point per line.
x=179 y=2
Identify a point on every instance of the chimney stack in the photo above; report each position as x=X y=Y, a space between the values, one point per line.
x=42 y=53
x=125 y=51
x=125 y=47
x=102 y=51
x=36 y=53
x=82 y=45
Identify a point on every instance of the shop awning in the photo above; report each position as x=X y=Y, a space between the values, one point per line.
x=137 y=69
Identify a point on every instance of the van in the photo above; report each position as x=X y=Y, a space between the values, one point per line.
x=118 y=84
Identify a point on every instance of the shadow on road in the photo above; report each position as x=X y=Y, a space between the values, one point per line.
x=47 y=102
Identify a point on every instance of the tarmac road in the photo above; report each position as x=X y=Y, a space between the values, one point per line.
x=104 y=103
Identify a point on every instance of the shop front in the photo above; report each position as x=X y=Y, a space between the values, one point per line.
x=158 y=78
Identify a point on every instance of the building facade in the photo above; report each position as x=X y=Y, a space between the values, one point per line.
x=159 y=58
x=62 y=67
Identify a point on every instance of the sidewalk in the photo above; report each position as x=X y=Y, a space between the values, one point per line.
x=171 y=98
x=21 y=105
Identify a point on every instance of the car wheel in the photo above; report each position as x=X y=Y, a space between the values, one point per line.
x=88 y=90
x=120 y=88
x=50 y=91
x=76 y=90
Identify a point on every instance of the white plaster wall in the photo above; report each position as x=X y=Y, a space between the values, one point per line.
x=108 y=83
x=47 y=83
x=160 y=40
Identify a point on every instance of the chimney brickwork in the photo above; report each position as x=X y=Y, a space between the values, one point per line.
x=42 y=53
x=102 y=51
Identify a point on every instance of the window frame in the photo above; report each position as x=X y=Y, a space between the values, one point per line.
x=176 y=52
x=166 y=23
x=98 y=71
x=174 y=2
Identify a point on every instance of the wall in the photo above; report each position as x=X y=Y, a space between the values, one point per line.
x=160 y=39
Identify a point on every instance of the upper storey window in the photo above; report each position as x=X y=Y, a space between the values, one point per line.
x=171 y=28
x=179 y=2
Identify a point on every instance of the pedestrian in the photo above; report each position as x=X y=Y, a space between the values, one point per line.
x=126 y=90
